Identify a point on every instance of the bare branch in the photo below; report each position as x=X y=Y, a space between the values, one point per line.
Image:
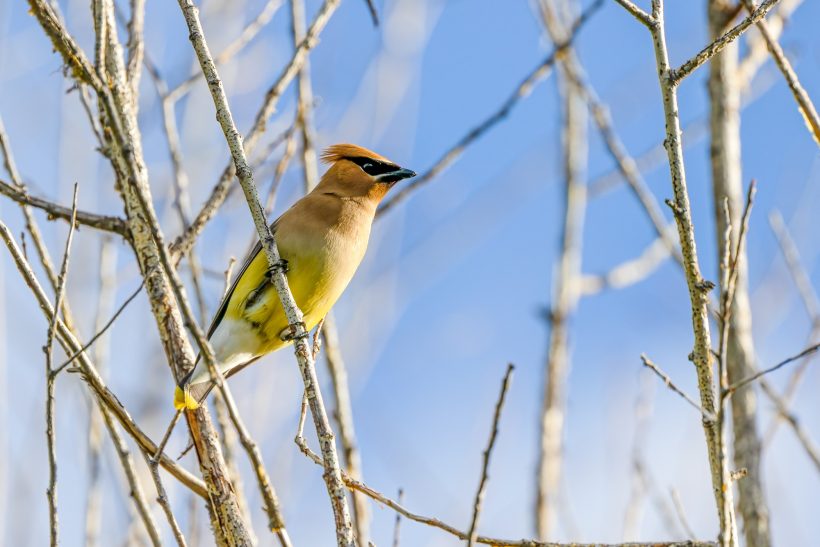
x=804 y=104
x=245 y=37
x=676 y=75
x=89 y=372
x=479 y=496
x=307 y=367
x=452 y=530
x=521 y=91
x=51 y=438
x=639 y=14
x=707 y=416
x=100 y=222
x=220 y=191
x=740 y=383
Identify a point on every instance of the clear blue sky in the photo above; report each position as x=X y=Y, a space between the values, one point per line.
x=425 y=337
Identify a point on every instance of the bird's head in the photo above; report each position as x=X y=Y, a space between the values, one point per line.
x=358 y=172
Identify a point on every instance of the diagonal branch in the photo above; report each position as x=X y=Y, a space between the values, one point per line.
x=332 y=475
x=675 y=76
x=804 y=104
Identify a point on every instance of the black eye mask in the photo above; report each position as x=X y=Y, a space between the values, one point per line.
x=373 y=167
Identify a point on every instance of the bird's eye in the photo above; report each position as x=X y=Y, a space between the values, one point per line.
x=367 y=167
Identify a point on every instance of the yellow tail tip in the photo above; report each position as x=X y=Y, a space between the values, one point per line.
x=183 y=400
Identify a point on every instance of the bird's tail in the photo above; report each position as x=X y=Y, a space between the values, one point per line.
x=189 y=395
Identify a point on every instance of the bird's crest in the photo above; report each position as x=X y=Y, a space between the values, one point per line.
x=338 y=152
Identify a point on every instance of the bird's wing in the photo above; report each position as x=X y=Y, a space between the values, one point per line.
x=223 y=306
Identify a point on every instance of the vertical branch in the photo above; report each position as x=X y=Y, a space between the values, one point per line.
x=724 y=100
x=698 y=287
x=51 y=437
x=93 y=515
x=566 y=285
x=479 y=496
x=332 y=475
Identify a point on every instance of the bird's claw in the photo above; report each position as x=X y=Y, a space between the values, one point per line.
x=280 y=265
x=290 y=333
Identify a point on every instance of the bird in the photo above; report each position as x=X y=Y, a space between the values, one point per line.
x=322 y=239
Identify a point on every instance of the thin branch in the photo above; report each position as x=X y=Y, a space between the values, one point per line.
x=452 y=530
x=698 y=287
x=89 y=372
x=629 y=272
x=676 y=75
x=136 y=46
x=639 y=14
x=796 y=269
x=245 y=37
x=100 y=222
x=93 y=508
x=521 y=91
x=127 y=462
x=101 y=331
x=681 y=513
x=51 y=437
x=479 y=496
x=749 y=379
x=220 y=191
x=647 y=362
x=756 y=49
x=804 y=103
x=397 y=524
x=162 y=499
x=800 y=432
x=332 y=475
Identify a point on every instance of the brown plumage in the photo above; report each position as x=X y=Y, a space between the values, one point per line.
x=323 y=237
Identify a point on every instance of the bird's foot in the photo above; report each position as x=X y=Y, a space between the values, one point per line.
x=291 y=332
x=280 y=265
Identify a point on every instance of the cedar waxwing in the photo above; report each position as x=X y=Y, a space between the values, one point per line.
x=322 y=238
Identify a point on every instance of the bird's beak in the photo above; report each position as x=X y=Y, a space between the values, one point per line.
x=394 y=176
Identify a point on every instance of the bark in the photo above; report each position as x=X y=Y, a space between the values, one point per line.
x=724 y=96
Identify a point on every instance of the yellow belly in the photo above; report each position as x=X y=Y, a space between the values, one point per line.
x=315 y=279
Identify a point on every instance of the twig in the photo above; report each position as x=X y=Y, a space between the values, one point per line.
x=798 y=273
x=452 y=530
x=162 y=499
x=332 y=473
x=93 y=515
x=89 y=372
x=675 y=76
x=566 y=286
x=523 y=89
x=220 y=191
x=397 y=525
x=629 y=272
x=51 y=437
x=804 y=103
x=245 y=37
x=344 y=420
x=127 y=463
x=740 y=383
x=802 y=435
x=639 y=14
x=479 y=496
x=698 y=287
x=756 y=49
x=374 y=15
x=100 y=222
x=681 y=512
x=101 y=331
x=136 y=46
x=647 y=362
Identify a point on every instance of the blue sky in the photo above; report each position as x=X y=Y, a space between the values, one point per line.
x=455 y=279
